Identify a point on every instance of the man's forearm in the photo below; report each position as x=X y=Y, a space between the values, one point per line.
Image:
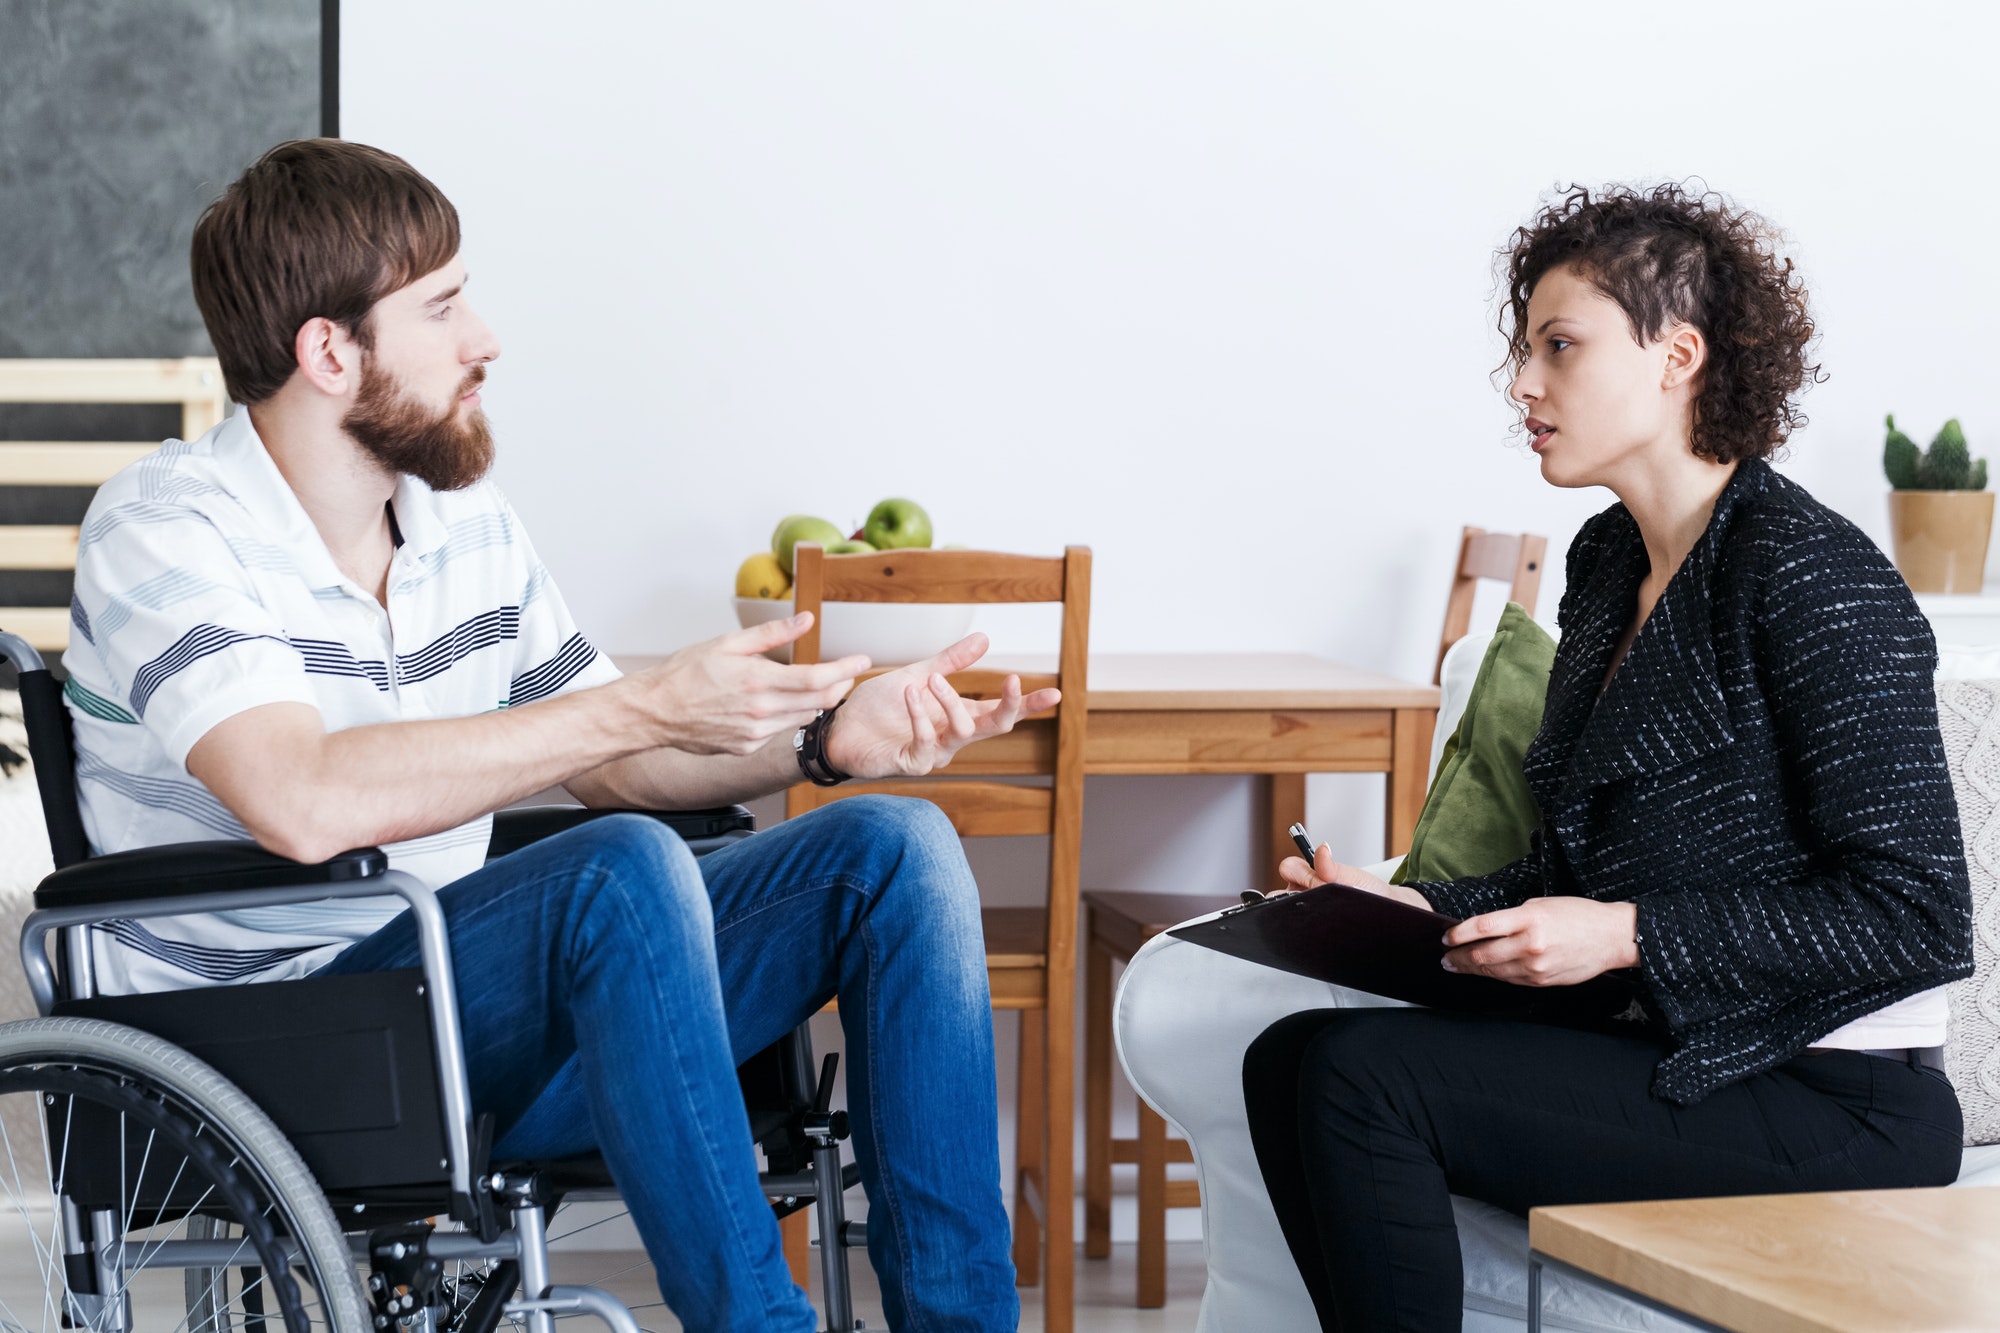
x=666 y=779
x=309 y=794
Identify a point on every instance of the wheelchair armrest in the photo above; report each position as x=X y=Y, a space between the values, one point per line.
x=515 y=829
x=183 y=869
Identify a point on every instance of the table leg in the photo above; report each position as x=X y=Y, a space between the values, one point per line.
x=1409 y=776
x=1288 y=807
x=1096 y=1097
x=1534 y=1294
x=1152 y=1293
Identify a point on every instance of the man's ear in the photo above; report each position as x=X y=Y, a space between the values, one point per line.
x=328 y=357
x=1687 y=353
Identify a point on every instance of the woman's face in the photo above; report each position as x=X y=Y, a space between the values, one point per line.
x=1597 y=400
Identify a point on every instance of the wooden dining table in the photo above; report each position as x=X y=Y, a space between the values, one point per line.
x=1274 y=716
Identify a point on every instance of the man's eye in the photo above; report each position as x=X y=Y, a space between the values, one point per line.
x=442 y=311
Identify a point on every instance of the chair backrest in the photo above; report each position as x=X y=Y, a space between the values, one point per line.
x=195 y=383
x=51 y=749
x=978 y=808
x=1513 y=558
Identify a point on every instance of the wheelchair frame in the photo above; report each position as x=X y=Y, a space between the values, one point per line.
x=505 y=1211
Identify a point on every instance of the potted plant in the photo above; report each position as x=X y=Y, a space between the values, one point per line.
x=1940 y=512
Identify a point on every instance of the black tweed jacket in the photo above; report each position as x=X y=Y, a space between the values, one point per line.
x=1764 y=778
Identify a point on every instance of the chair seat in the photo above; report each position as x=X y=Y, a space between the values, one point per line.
x=1016 y=937
x=1121 y=921
x=1017 y=958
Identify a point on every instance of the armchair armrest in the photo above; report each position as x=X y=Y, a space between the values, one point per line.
x=704 y=830
x=185 y=869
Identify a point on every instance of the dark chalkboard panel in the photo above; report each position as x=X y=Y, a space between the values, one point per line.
x=119 y=121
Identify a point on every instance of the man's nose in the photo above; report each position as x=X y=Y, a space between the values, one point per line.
x=482 y=346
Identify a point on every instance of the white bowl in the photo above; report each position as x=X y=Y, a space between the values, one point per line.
x=887 y=633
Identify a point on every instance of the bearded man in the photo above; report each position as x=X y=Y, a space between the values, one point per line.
x=319 y=626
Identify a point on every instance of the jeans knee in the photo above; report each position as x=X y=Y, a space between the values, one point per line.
x=905 y=821
x=642 y=863
x=916 y=866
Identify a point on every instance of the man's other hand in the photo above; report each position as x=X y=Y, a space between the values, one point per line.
x=725 y=697
x=908 y=722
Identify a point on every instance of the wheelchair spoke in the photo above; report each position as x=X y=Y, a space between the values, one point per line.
x=44 y=1263
x=578 y=1231
x=206 y=1300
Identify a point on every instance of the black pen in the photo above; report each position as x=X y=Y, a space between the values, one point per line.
x=1305 y=846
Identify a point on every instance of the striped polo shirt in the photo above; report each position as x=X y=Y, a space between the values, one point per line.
x=202 y=590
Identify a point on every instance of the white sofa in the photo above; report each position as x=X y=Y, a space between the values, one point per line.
x=1184 y=1016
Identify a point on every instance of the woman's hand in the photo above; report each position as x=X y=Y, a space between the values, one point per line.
x=1325 y=870
x=1546 y=942
x=909 y=722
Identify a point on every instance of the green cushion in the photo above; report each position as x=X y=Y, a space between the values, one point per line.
x=1479 y=814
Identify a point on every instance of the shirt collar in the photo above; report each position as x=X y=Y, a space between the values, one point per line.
x=417 y=515
x=268 y=499
x=265 y=494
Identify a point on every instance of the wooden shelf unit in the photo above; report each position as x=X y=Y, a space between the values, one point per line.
x=194 y=383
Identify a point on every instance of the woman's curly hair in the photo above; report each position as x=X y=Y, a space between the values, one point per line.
x=1669 y=255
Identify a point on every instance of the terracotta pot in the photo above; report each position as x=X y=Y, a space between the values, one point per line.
x=1940 y=538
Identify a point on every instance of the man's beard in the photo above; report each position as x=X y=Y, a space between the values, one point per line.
x=405 y=436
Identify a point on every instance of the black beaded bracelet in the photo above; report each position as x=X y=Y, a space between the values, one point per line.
x=809 y=742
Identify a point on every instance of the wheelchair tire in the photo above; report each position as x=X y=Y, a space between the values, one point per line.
x=217 y=1153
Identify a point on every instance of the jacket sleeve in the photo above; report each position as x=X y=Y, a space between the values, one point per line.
x=1509 y=886
x=1521 y=880
x=1845 y=663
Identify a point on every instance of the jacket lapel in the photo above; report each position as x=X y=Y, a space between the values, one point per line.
x=1666 y=705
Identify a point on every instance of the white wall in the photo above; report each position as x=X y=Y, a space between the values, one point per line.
x=1205 y=285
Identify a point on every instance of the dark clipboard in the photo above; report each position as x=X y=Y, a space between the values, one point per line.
x=1367 y=942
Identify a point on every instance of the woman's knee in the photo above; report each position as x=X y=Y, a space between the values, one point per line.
x=1338 y=1055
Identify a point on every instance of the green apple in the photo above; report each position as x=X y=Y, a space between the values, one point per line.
x=897 y=524
x=850 y=548
x=802 y=528
x=779 y=531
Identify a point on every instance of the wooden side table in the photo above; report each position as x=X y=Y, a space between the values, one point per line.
x=1115 y=925
x=1861 y=1261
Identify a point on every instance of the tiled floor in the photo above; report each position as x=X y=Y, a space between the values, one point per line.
x=1104 y=1290
x=1104 y=1293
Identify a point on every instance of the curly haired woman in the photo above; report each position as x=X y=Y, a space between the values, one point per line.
x=1744 y=802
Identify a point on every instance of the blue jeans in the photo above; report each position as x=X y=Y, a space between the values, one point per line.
x=609 y=984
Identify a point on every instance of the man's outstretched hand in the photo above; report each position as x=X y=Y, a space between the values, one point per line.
x=908 y=722
x=725 y=697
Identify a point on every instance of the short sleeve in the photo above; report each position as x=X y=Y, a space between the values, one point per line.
x=552 y=656
x=172 y=628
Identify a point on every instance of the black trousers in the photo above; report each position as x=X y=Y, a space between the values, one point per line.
x=1365 y=1121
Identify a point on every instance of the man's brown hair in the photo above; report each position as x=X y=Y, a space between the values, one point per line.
x=315 y=228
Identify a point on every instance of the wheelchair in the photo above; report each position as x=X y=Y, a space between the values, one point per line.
x=215 y=1159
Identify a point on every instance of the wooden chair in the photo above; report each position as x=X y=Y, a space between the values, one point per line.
x=193 y=382
x=1030 y=951
x=1514 y=558
x=1116 y=924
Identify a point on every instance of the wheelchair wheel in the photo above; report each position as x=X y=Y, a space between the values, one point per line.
x=139 y=1189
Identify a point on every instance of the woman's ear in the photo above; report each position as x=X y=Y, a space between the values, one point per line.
x=328 y=356
x=1687 y=353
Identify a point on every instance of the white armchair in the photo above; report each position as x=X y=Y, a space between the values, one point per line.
x=1183 y=1017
